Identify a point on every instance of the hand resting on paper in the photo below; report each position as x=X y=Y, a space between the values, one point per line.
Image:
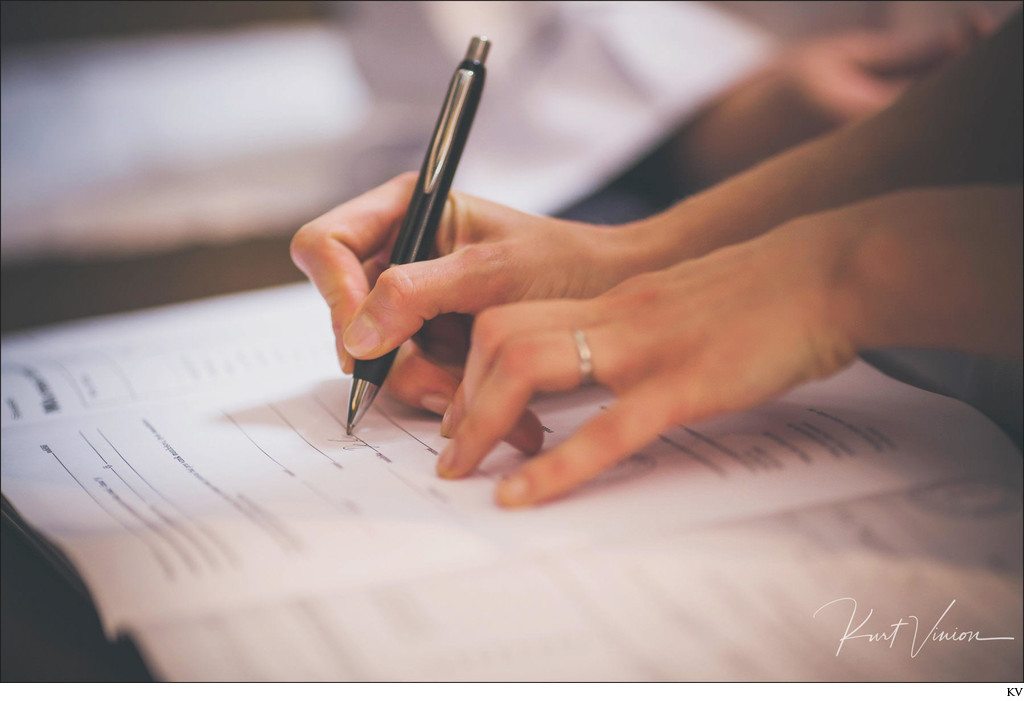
x=744 y=324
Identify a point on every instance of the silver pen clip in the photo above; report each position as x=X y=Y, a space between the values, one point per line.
x=453 y=105
x=445 y=135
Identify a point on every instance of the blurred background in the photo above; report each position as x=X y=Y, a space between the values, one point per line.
x=165 y=150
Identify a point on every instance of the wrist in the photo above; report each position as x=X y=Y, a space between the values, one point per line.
x=726 y=215
x=933 y=268
x=811 y=255
x=648 y=245
x=766 y=114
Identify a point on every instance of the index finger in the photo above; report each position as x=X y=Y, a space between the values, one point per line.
x=626 y=426
x=330 y=249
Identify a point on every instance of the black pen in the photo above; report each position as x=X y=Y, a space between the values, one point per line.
x=416 y=237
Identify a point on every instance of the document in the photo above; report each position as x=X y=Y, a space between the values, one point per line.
x=192 y=465
x=729 y=603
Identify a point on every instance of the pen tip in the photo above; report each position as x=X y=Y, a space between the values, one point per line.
x=359 y=402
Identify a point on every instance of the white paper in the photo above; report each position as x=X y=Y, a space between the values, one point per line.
x=193 y=459
x=733 y=603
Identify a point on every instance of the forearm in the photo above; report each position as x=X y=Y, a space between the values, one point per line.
x=960 y=126
x=935 y=268
x=755 y=120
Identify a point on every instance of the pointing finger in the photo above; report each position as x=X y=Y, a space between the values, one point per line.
x=545 y=361
x=626 y=426
x=330 y=249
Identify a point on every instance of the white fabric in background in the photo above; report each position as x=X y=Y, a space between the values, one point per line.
x=108 y=147
x=599 y=84
x=130 y=146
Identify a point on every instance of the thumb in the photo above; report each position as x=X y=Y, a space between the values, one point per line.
x=405 y=296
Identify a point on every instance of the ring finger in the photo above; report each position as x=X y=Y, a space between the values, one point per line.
x=543 y=361
x=496 y=328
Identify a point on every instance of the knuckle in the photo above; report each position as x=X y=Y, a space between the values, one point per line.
x=616 y=436
x=305 y=242
x=394 y=289
x=488 y=330
x=517 y=360
x=619 y=371
x=559 y=472
x=339 y=319
x=479 y=257
x=486 y=423
x=683 y=409
x=635 y=294
x=645 y=295
x=493 y=267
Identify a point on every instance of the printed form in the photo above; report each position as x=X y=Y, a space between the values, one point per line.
x=191 y=463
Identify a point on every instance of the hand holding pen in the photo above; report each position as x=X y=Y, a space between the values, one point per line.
x=487 y=255
x=416 y=236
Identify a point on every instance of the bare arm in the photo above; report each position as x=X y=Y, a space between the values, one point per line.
x=733 y=329
x=962 y=125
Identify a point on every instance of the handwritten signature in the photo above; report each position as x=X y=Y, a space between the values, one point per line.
x=934 y=634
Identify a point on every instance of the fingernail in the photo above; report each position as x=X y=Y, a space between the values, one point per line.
x=513 y=491
x=437 y=403
x=447 y=461
x=362 y=336
x=446 y=421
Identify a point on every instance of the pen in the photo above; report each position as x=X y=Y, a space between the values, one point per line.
x=416 y=236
